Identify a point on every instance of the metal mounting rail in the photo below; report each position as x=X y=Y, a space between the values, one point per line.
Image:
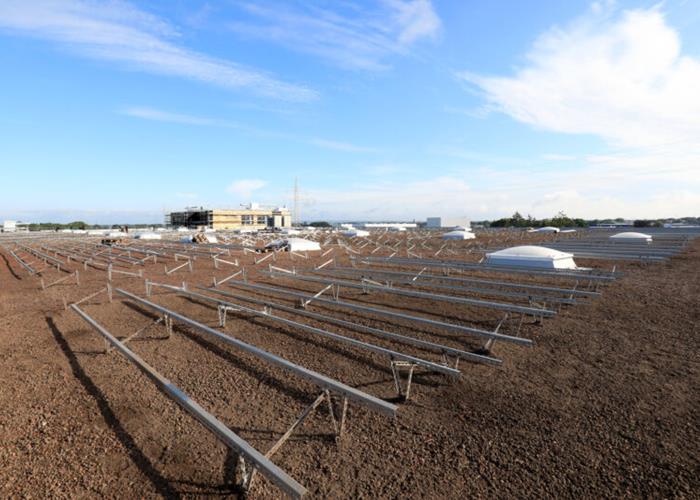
x=459 y=288
x=142 y=250
x=125 y=258
x=616 y=249
x=451 y=264
x=214 y=425
x=384 y=312
x=479 y=358
x=310 y=375
x=460 y=279
x=318 y=331
x=41 y=255
x=501 y=306
x=26 y=266
x=617 y=256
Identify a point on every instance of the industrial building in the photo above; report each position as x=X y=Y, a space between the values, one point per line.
x=252 y=217
x=447 y=222
x=11 y=226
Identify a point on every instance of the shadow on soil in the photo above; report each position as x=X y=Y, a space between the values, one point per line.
x=362 y=360
x=263 y=377
x=160 y=483
x=7 y=263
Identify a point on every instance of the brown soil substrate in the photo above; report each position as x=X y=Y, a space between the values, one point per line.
x=604 y=405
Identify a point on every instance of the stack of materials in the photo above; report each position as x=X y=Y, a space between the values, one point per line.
x=204 y=238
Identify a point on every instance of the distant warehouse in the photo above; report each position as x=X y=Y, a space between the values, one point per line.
x=447 y=222
x=252 y=217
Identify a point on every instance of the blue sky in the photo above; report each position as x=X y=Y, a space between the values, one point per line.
x=390 y=109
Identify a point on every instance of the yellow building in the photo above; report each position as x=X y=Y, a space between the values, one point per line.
x=253 y=218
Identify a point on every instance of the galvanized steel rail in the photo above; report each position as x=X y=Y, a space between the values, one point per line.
x=384 y=312
x=454 y=279
x=452 y=264
x=420 y=282
x=424 y=344
x=501 y=306
x=324 y=333
x=310 y=375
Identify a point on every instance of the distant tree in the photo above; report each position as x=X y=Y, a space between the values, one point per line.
x=517 y=220
x=647 y=223
x=76 y=225
x=321 y=223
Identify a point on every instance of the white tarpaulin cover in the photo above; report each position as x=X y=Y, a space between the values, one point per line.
x=148 y=236
x=355 y=233
x=295 y=244
x=531 y=256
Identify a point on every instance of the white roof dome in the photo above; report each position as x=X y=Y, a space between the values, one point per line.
x=458 y=235
x=545 y=229
x=532 y=252
x=531 y=256
x=631 y=236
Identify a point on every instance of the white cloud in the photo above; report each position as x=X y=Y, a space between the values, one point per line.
x=350 y=36
x=117 y=31
x=621 y=77
x=504 y=193
x=244 y=188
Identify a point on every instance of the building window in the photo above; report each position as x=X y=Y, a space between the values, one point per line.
x=262 y=219
x=247 y=220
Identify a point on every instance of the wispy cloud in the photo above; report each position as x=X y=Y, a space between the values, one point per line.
x=164 y=116
x=348 y=36
x=244 y=188
x=152 y=114
x=117 y=31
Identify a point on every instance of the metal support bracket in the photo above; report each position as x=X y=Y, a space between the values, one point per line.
x=248 y=474
x=395 y=370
